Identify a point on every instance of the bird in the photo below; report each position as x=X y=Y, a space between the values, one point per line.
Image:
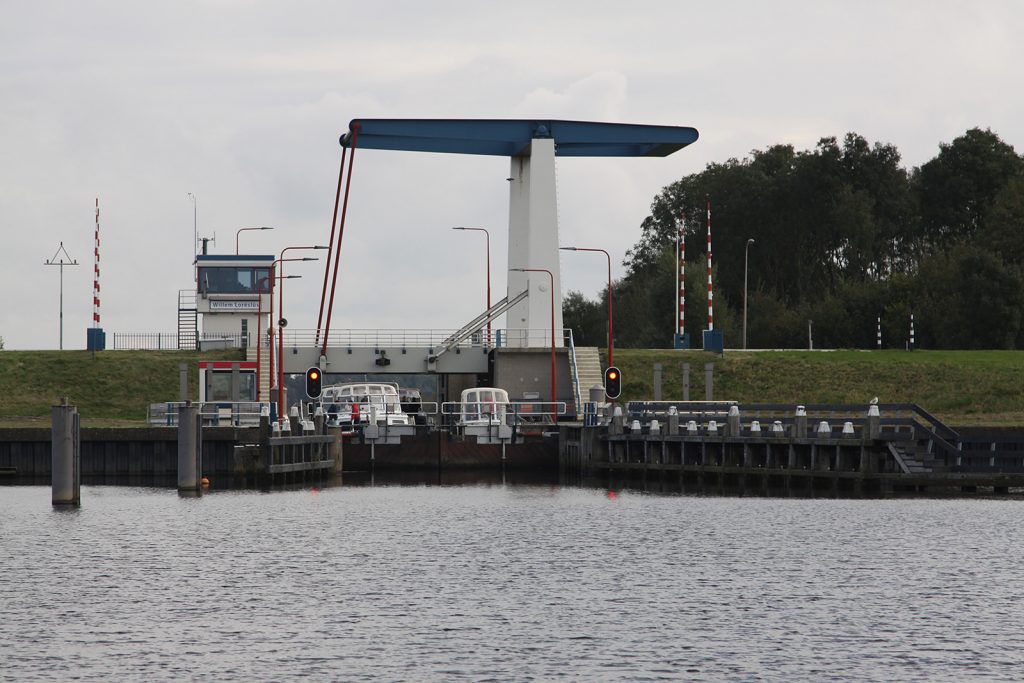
x=873 y=401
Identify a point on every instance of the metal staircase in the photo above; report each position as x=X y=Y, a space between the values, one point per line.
x=264 y=370
x=188 y=320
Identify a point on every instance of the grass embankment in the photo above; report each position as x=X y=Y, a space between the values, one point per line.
x=959 y=387
x=109 y=388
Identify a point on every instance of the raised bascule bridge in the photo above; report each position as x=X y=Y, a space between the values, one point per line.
x=533 y=345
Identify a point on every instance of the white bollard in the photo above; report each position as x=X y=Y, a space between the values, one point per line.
x=655 y=427
x=712 y=427
x=824 y=431
x=777 y=428
x=755 y=428
x=848 y=429
x=691 y=427
x=635 y=427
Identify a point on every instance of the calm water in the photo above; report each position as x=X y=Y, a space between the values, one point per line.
x=414 y=583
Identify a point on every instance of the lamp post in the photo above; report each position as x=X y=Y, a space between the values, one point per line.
x=554 y=393
x=270 y=328
x=488 y=236
x=746 y=256
x=241 y=230
x=280 y=329
x=54 y=262
x=610 y=336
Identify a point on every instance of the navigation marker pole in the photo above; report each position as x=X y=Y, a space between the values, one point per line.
x=681 y=341
x=711 y=292
x=96 y=271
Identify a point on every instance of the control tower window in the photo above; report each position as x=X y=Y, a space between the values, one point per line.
x=233 y=280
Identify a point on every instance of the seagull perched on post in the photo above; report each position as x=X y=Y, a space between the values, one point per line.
x=873 y=401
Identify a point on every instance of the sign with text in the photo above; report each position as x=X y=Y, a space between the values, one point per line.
x=234 y=305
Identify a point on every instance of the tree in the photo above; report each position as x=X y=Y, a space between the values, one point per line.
x=587 y=319
x=957 y=189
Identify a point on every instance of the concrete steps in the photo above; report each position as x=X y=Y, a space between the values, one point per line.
x=589 y=370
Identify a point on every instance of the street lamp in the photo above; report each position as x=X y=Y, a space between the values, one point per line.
x=274 y=278
x=270 y=328
x=241 y=230
x=195 y=226
x=554 y=394
x=610 y=337
x=280 y=331
x=746 y=255
x=488 y=236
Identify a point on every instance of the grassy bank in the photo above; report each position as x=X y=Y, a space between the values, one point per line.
x=960 y=387
x=109 y=388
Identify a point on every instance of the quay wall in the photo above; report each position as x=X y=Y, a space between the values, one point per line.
x=126 y=452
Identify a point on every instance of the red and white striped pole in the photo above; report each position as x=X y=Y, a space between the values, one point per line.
x=96 y=271
x=681 y=274
x=711 y=290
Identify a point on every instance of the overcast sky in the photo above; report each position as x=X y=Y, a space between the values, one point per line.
x=241 y=103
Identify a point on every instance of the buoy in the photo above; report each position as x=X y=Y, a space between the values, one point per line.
x=204 y=481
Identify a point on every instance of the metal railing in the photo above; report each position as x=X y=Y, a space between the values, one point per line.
x=214 y=413
x=515 y=412
x=364 y=338
x=168 y=341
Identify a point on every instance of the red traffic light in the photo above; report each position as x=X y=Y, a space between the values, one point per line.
x=612 y=382
x=314 y=382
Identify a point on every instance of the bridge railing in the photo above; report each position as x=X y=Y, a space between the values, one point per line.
x=363 y=338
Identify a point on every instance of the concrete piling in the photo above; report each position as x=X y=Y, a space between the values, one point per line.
x=874 y=422
x=800 y=423
x=618 y=422
x=66 y=475
x=733 y=421
x=190 y=448
x=673 y=421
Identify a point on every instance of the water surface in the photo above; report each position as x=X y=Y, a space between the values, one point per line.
x=413 y=583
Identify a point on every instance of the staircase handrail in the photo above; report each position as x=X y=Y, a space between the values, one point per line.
x=574 y=369
x=477 y=323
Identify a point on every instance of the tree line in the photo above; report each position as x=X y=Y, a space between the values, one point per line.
x=843 y=236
